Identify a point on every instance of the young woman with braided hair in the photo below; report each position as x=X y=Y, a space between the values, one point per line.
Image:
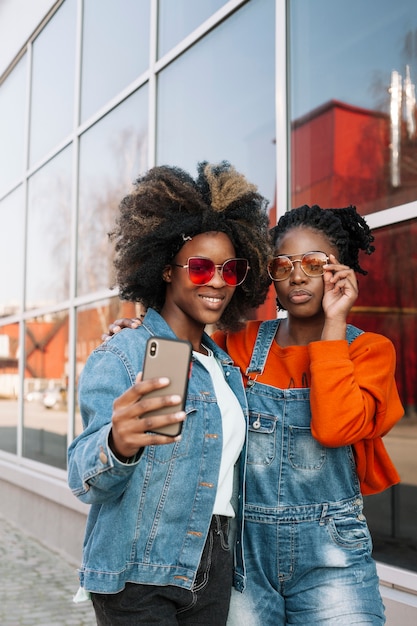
x=194 y=252
x=321 y=395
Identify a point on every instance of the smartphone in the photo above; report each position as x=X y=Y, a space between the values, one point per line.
x=170 y=358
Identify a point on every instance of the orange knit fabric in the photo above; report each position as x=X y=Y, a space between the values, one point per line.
x=353 y=395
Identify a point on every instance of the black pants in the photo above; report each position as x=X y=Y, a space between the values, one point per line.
x=206 y=604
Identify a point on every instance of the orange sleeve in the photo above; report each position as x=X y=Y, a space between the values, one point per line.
x=354 y=400
x=353 y=390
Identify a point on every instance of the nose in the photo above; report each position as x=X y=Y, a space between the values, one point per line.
x=217 y=279
x=297 y=274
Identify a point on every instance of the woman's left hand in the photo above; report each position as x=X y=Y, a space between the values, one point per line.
x=117 y=325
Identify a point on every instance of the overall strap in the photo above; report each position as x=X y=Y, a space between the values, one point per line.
x=264 y=339
x=352 y=332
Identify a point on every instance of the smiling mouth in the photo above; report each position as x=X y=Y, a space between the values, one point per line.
x=214 y=299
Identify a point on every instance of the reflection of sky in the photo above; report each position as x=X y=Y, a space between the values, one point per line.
x=177 y=19
x=113 y=151
x=347 y=50
x=108 y=155
x=11 y=250
x=49 y=231
x=12 y=127
x=217 y=101
x=112 y=154
x=52 y=97
x=107 y=65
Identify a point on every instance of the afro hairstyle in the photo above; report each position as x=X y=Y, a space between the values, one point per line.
x=167 y=205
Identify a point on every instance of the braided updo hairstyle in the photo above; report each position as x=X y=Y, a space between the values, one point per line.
x=345 y=229
x=166 y=206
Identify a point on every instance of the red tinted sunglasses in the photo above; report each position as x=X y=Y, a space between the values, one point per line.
x=201 y=270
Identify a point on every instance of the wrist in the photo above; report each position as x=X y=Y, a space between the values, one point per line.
x=120 y=457
x=334 y=330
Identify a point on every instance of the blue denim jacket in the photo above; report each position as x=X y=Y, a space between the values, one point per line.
x=149 y=520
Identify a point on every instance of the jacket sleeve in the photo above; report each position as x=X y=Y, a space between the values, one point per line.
x=95 y=475
x=354 y=401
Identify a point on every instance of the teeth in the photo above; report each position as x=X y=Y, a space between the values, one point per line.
x=212 y=299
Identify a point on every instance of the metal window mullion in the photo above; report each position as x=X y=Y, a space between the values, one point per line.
x=72 y=317
x=22 y=321
x=282 y=125
x=152 y=87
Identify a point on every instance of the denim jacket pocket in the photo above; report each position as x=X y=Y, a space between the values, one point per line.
x=304 y=452
x=261 y=439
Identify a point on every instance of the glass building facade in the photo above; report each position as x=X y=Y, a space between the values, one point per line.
x=314 y=100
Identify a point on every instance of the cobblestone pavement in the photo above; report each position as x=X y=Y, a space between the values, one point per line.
x=37 y=585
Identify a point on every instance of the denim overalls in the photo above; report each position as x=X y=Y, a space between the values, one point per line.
x=307 y=547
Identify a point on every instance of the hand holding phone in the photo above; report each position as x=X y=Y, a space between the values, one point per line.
x=170 y=358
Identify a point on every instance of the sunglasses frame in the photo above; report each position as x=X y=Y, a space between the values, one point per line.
x=215 y=267
x=300 y=261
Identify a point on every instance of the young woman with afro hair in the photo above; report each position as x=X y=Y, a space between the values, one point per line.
x=194 y=252
x=321 y=395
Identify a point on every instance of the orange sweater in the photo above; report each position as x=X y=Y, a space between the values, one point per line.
x=353 y=395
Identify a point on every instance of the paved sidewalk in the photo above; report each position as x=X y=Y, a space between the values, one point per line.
x=36 y=585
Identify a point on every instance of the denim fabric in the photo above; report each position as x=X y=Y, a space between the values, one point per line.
x=149 y=520
x=207 y=603
x=307 y=547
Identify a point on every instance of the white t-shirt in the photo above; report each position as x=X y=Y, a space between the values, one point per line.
x=234 y=428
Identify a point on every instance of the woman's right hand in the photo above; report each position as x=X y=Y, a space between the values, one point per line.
x=131 y=427
x=340 y=293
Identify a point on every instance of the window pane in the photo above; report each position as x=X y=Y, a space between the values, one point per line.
x=9 y=386
x=112 y=153
x=217 y=100
x=12 y=252
x=178 y=19
x=12 y=125
x=53 y=73
x=93 y=321
x=45 y=410
x=49 y=233
x=115 y=49
x=352 y=141
x=387 y=305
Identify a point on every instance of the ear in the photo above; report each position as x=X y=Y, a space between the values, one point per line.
x=166 y=274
